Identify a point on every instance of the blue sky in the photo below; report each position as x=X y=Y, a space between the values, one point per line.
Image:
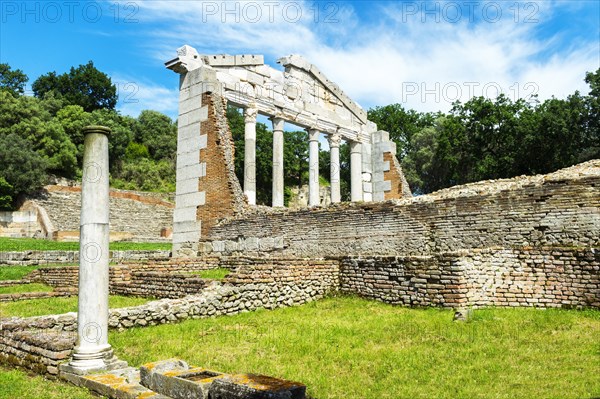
x=422 y=54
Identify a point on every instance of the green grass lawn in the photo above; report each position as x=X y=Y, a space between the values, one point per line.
x=30 y=244
x=352 y=348
x=347 y=348
x=40 y=307
x=16 y=272
x=17 y=289
x=215 y=274
x=17 y=384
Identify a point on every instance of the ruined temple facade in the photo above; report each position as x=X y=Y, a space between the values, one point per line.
x=207 y=188
x=525 y=241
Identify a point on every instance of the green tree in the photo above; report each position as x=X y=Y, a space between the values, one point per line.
x=85 y=86
x=592 y=124
x=6 y=192
x=22 y=168
x=11 y=80
x=419 y=165
x=295 y=158
x=73 y=119
x=158 y=133
x=400 y=123
x=28 y=118
x=147 y=175
x=120 y=137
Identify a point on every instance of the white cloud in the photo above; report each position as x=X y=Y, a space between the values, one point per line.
x=396 y=57
x=136 y=96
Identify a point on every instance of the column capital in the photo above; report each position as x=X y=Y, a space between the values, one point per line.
x=313 y=134
x=355 y=147
x=334 y=140
x=278 y=123
x=96 y=129
x=250 y=114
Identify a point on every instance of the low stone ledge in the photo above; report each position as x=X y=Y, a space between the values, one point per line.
x=22 y=258
x=35 y=295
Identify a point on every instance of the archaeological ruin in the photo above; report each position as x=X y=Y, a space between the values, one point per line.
x=529 y=241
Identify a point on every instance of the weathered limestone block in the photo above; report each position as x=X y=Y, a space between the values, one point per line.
x=175 y=379
x=252 y=386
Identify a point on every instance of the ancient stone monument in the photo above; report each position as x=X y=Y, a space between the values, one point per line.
x=93 y=352
x=301 y=94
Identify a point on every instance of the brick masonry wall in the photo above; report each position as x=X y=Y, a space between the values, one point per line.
x=409 y=281
x=559 y=209
x=398 y=183
x=224 y=195
x=547 y=277
x=163 y=279
x=133 y=215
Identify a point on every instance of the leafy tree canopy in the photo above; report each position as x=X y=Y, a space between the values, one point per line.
x=85 y=86
x=11 y=80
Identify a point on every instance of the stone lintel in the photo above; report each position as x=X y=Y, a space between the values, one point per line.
x=302 y=119
x=220 y=60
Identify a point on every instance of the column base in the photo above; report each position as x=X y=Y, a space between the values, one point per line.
x=88 y=361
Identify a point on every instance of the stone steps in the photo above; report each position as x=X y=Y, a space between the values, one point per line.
x=117 y=384
x=175 y=379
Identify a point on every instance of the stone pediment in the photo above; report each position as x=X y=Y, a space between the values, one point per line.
x=300 y=93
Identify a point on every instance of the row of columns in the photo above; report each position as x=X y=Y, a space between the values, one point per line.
x=250 y=115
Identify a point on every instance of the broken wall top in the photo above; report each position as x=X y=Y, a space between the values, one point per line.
x=300 y=94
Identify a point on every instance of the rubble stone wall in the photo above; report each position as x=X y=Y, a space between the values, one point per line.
x=42 y=343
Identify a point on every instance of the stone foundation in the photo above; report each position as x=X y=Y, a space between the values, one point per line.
x=550 y=277
x=34 y=342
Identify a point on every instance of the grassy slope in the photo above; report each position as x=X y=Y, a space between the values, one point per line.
x=15 y=272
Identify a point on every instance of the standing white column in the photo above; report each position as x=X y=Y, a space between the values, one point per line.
x=93 y=351
x=278 y=186
x=250 y=154
x=356 y=171
x=334 y=154
x=313 y=168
